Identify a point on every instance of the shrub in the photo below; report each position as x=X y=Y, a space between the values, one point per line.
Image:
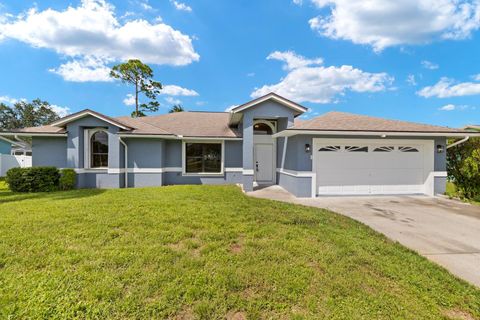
x=68 y=179
x=34 y=179
x=463 y=166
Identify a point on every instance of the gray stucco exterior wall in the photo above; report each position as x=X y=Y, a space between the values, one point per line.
x=266 y=110
x=49 y=151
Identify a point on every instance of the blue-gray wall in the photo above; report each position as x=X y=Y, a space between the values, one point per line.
x=49 y=151
x=266 y=110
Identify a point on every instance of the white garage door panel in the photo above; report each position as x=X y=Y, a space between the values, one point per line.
x=395 y=172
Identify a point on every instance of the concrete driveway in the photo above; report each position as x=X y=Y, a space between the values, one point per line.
x=444 y=231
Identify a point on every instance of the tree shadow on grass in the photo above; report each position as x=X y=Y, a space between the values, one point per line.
x=8 y=196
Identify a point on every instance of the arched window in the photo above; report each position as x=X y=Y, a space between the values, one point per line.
x=99 y=150
x=262 y=128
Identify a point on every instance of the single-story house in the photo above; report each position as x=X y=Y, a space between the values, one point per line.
x=260 y=142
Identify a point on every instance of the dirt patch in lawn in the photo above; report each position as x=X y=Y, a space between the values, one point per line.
x=458 y=315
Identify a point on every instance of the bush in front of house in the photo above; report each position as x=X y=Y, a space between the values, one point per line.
x=68 y=179
x=463 y=166
x=34 y=179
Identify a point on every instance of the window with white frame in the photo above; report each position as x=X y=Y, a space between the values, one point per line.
x=96 y=149
x=203 y=157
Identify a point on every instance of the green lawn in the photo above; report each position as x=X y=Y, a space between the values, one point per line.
x=208 y=252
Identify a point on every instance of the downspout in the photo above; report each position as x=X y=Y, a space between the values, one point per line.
x=458 y=142
x=126 y=160
x=284 y=153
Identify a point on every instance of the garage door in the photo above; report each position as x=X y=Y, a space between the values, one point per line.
x=363 y=167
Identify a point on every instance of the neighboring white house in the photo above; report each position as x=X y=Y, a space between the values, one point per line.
x=20 y=155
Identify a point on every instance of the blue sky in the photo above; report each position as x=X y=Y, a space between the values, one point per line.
x=414 y=60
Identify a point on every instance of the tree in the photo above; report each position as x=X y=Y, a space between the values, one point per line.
x=26 y=114
x=463 y=167
x=140 y=75
x=176 y=108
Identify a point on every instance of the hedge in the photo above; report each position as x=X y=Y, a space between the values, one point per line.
x=68 y=179
x=34 y=179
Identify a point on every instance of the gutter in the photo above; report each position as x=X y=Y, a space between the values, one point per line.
x=458 y=142
x=381 y=134
x=126 y=160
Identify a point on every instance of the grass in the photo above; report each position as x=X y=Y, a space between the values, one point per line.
x=208 y=252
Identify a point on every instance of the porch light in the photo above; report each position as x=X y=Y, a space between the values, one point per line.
x=440 y=148
x=307 y=148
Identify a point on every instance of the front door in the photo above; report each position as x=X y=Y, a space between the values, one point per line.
x=264 y=163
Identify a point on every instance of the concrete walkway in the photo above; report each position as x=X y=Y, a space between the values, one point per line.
x=444 y=231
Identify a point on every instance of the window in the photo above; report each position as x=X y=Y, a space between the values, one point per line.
x=356 y=149
x=203 y=158
x=262 y=128
x=407 y=149
x=329 y=149
x=99 y=150
x=383 y=149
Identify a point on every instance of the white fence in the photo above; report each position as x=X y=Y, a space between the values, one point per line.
x=8 y=161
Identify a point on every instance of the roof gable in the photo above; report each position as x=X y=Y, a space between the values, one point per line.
x=274 y=97
x=85 y=113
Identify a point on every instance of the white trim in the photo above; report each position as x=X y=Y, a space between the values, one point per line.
x=384 y=134
x=174 y=137
x=86 y=170
x=197 y=174
x=270 y=96
x=24 y=134
x=143 y=170
x=440 y=174
x=294 y=173
x=87 y=135
x=85 y=113
x=248 y=172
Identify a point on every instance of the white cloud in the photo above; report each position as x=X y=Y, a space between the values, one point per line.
x=293 y=60
x=146 y=6
x=452 y=107
x=92 y=31
x=448 y=107
x=476 y=77
x=411 y=80
x=9 y=100
x=61 y=111
x=181 y=6
x=446 y=88
x=383 y=24
x=173 y=90
x=84 y=70
x=298 y=2
x=172 y=100
x=319 y=84
x=429 y=65
x=129 y=100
